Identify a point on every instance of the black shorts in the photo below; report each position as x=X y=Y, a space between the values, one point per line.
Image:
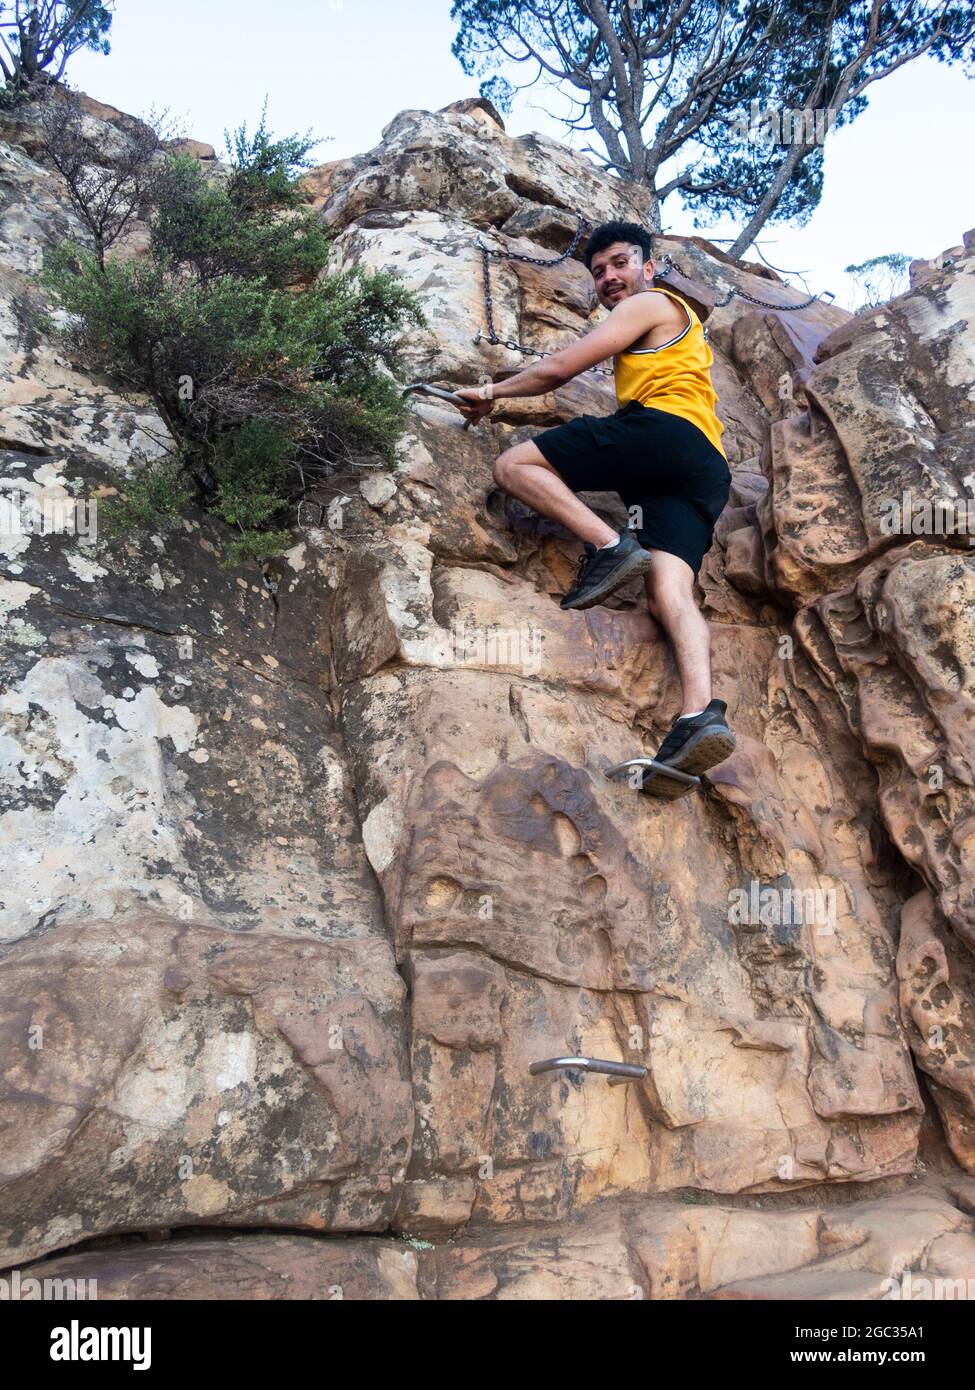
x=659 y=463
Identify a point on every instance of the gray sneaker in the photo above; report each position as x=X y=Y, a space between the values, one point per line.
x=693 y=746
x=698 y=743
x=601 y=572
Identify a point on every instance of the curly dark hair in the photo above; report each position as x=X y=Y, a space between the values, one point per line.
x=608 y=232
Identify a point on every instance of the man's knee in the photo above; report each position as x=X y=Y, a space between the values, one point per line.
x=508 y=465
x=669 y=587
x=504 y=466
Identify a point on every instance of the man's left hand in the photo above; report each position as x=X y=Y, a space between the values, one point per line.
x=478 y=406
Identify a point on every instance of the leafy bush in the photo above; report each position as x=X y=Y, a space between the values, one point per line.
x=154 y=498
x=107 y=192
x=268 y=370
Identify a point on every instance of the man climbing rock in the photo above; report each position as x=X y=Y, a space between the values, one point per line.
x=661 y=452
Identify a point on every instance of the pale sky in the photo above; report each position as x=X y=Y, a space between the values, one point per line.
x=894 y=181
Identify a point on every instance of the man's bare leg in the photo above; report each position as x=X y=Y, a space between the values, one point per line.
x=657 y=633
x=670 y=595
x=524 y=472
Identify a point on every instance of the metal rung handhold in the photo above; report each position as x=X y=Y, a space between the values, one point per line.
x=653 y=766
x=424 y=388
x=618 y=1072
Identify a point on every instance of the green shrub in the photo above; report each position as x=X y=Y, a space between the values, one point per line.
x=268 y=371
x=154 y=497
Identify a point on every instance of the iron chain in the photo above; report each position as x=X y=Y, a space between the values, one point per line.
x=669 y=262
x=491 y=336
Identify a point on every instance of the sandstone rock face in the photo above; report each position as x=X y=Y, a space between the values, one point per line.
x=912 y=1246
x=243 y=1267
x=219 y=1070
x=897 y=649
x=937 y=988
x=309 y=866
x=888 y=431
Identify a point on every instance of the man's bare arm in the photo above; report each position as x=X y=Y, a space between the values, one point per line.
x=627 y=322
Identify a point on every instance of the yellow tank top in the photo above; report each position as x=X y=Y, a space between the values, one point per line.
x=675 y=377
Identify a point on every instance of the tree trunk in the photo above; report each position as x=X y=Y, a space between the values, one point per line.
x=770 y=202
x=653 y=210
